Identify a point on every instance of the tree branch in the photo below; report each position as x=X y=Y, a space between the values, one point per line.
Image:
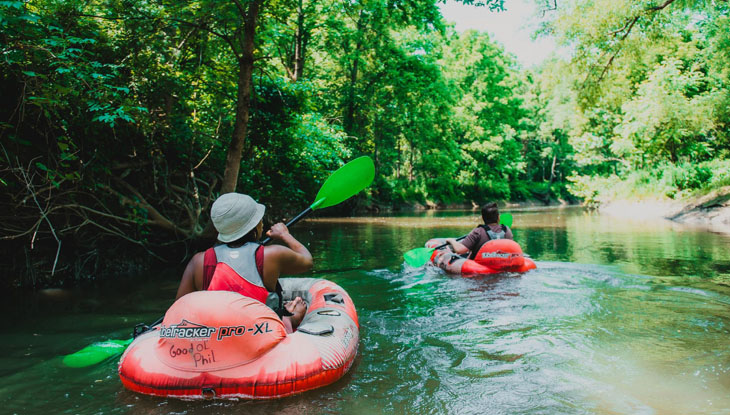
x=29 y=186
x=626 y=29
x=157 y=218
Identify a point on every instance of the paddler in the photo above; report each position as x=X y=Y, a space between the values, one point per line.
x=491 y=229
x=240 y=264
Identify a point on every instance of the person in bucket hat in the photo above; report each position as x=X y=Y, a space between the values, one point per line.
x=234 y=215
x=240 y=264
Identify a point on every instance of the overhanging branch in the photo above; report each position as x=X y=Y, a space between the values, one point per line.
x=624 y=32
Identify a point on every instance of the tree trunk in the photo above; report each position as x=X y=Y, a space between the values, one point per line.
x=299 y=43
x=243 y=100
x=410 y=167
x=552 y=168
x=349 y=119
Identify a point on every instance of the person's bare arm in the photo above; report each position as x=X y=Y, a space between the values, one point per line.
x=457 y=246
x=192 y=279
x=291 y=259
x=466 y=244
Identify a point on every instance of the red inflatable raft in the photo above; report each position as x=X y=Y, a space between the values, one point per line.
x=499 y=255
x=222 y=344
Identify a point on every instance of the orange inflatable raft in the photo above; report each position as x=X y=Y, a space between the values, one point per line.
x=499 y=255
x=222 y=344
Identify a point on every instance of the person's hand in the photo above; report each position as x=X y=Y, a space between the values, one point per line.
x=297 y=306
x=278 y=231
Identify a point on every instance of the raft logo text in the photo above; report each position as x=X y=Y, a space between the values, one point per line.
x=187 y=330
x=259 y=328
x=495 y=255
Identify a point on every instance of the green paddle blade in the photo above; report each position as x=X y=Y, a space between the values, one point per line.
x=417 y=257
x=344 y=183
x=95 y=353
x=506 y=219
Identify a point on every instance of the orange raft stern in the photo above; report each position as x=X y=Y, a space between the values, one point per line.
x=495 y=256
x=222 y=344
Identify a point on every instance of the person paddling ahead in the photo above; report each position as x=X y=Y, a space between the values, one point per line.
x=242 y=265
x=482 y=233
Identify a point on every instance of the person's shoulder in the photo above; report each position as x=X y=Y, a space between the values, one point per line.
x=275 y=251
x=199 y=257
x=476 y=234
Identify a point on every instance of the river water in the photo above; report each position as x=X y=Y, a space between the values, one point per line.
x=620 y=317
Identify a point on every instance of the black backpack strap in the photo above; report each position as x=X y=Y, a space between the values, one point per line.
x=486 y=231
x=280 y=310
x=474 y=253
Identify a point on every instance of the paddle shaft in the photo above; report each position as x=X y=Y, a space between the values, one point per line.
x=292 y=222
x=141 y=328
x=341 y=185
x=446 y=244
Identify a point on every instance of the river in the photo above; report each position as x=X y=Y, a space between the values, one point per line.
x=620 y=317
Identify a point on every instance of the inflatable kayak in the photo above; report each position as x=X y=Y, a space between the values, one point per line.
x=220 y=344
x=499 y=255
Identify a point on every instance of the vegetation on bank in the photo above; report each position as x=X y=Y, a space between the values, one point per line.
x=123 y=119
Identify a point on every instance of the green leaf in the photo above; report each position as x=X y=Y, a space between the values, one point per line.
x=14 y=4
x=20 y=141
x=29 y=17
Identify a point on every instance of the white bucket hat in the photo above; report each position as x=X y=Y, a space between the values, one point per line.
x=234 y=215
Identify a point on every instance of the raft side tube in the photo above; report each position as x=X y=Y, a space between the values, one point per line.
x=173 y=362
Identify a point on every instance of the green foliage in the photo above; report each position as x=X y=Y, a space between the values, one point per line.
x=119 y=114
x=686 y=176
x=644 y=103
x=664 y=121
x=665 y=180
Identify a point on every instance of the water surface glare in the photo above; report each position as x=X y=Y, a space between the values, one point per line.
x=620 y=317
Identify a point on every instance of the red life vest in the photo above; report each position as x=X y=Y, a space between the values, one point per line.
x=239 y=270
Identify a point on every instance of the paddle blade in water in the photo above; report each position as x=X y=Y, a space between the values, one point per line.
x=506 y=219
x=95 y=353
x=344 y=183
x=418 y=257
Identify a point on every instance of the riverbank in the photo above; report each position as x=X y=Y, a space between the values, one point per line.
x=711 y=210
x=415 y=206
